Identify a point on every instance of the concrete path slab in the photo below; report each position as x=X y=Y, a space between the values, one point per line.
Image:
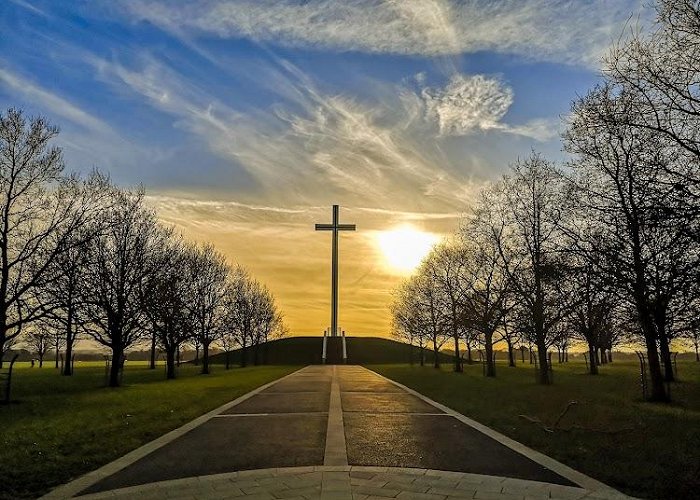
x=253 y=434
x=436 y=442
x=385 y=402
x=229 y=444
x=284 y=402
x=336 y=432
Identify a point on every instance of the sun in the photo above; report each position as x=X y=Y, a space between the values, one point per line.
x=405 y=247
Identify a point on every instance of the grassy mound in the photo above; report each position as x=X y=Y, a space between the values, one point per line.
x=307 y=350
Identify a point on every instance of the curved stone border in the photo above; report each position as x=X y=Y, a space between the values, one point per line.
x=353 y=483
x=71 y=489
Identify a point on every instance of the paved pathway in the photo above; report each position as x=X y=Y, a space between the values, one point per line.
x=334 y=432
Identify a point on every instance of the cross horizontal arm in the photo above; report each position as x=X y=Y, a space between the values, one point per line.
x=339 y=227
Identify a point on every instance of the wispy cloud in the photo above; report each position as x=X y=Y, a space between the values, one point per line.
x=323 y=146
x=468 y=103
x=61 y=107
x=478 y=103
x=83 y=135
x=30 y=7
x=312 y=146
x=572 y=31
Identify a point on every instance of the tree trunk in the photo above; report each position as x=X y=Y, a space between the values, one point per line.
x=511 y=354
x=70 y=340
x=522 y=355
x=170 y=362
x=669 y=376
x=244 y=353
x=422 y=355
x=196 y=355
x=436 y=351
x=228 y=359
x=115 y=368
x=469 y=353
x=490 y=364
x=152 y=364
x=205 y=358
x=57 y=353
x=592 y=365
x=697 y=355
x=658 y=389
x=41 y=361
x=458 y=358
x=610 y=355
x=544 y=363
x=3 y=338
x=256 y=352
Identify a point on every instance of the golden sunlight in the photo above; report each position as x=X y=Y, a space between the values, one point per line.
x=405 y=247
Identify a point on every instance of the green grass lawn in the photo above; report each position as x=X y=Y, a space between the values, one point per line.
x=63 y=427
x=643 y=449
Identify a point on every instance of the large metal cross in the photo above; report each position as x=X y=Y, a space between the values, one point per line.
x=335 y=227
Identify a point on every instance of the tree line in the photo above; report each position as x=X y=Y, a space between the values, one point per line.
x=602 y=249
x=81 y=257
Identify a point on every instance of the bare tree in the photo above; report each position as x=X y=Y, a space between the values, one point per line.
x=268 y=322
x=229 y=340
x=691 y=325
x=409 y=323
x=164 y=296
x=509 y=332
x=430 y=298
x=252 y=316
x=40 y=216
x=38 y=342
x=58 y=343
x=595 y=303
x=486 y=277
x=207 y=275
x=531 y=204
x=446 y=267
x=626 y=192
x=661 y=69
x=119 y=264
x=61 y=297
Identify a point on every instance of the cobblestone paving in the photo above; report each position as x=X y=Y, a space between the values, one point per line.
x=352 y=483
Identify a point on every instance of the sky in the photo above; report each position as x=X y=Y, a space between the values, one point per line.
x=246 y=120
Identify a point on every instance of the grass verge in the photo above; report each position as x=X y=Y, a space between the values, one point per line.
x=643 y=449
x=63 y=427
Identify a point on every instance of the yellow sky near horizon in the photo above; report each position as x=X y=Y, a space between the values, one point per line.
x=281 y=249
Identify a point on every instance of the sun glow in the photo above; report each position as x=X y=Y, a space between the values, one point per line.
x=405 y=247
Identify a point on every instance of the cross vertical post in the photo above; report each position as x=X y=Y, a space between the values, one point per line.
x=334 y=272
x=335 y=226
